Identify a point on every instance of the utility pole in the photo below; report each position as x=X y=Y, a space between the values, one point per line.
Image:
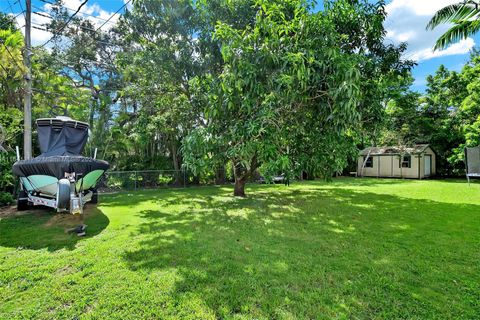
x=27 y=108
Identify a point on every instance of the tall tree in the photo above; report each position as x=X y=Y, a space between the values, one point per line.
x=283 y=76
x=85 y=54
x=160 y=59
x=382 y=69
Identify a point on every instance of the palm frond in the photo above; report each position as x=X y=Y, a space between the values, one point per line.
x=458 y=32
x=455 y=12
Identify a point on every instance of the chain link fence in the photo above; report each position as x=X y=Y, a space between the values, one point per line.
x=138 y=180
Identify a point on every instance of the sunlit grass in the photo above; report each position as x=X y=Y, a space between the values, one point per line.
x=353 y=248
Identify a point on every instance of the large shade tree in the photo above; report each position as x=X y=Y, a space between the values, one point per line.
x=285 y=85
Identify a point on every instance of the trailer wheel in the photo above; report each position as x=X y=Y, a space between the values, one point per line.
x=94 y=198
x=22 y=201
x=63 y=194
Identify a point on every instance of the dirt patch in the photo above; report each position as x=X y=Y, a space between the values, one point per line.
x=66 y=270
x=7 y=211
x=62 y=219
x=11 y=211
x=68 y=220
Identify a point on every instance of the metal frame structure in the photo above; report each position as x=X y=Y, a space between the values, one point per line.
x=467 y=167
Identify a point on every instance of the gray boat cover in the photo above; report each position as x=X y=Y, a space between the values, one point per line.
x=61 y=141
x=60 y=137
x=56 y=166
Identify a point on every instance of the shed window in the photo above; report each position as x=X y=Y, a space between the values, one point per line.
x=369 y=162
x=406 y=161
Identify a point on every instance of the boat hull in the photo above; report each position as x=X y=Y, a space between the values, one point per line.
x=41 y=174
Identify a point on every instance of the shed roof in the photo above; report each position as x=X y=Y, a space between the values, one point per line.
x=417 y=149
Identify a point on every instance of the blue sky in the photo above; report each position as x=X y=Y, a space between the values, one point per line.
x=405 y=22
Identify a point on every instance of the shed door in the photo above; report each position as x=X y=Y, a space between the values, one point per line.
x=428 y=165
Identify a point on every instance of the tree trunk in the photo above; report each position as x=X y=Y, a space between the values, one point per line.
x=242 y=174
x=220 y=175
x=239 y=189
x=176 y=164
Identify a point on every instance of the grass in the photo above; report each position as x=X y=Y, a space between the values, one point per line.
x=350 y=249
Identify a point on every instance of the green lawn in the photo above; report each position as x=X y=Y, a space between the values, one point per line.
x=350 y=249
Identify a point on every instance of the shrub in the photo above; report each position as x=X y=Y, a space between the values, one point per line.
x=6 y=199
x=7 y=179
x=165 y=179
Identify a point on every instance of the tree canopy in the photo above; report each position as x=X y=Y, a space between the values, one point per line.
x=223 y=89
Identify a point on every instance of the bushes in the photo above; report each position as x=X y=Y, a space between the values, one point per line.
x=7 y=179
x=6 y=199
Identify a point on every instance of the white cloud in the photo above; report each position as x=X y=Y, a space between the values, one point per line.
x=419 y=7
x=461 y=47
x=93 y=12
x=406 y=22
x=37 y=36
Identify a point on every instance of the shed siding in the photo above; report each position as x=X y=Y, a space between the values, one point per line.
x=411 y=172
x=430 y=152
x=369 y=172
x=389 y=166
x=386 y=166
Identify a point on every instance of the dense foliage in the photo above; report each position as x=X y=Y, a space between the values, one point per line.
x=446 y=116
x=284 y=80
x=233 y=89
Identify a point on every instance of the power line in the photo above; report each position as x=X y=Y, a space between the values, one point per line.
x=66 y=23
x=6 y=22
x=124 y=5
x=1 y=65
x=42 y=14
x=11 y=55
x=82 y=13
x=10 y=7
x=41 y=27
x=82 y=27
x=23 y=10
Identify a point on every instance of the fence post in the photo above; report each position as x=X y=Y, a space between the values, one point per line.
x=135 y=180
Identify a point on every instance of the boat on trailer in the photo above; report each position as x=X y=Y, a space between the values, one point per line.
x=60 y=177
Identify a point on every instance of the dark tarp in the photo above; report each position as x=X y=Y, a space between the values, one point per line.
x=61 y=142
x=56 y=166
x=57 y=137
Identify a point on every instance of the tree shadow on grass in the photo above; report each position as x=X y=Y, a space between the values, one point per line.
x=310 y=253
x=133 y=198
x=370 y=181
x=42 y=228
